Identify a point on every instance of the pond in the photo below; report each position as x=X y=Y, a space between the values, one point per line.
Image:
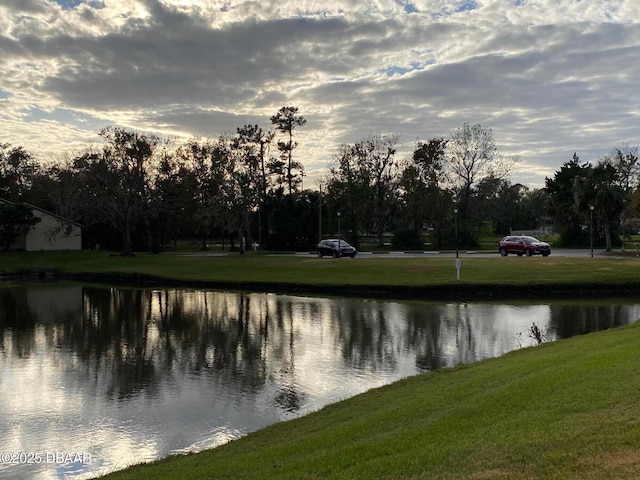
x=94 y=379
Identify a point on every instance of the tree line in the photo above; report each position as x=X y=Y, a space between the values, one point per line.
x=138 y=192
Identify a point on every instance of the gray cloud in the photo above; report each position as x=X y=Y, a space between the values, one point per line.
x=549 y=79
x=179 y=61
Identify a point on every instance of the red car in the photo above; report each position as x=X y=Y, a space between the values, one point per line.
x=523 y=245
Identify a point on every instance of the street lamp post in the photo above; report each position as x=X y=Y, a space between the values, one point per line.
x=591 y=207
x=339 y=237
x=455 y=212
x=320 y=214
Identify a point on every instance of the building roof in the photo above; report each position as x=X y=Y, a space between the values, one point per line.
x=46 y=212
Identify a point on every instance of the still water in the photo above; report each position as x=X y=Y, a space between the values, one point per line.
x=94 y=379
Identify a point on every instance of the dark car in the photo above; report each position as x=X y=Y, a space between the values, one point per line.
x=330 y=248
x=523 y=245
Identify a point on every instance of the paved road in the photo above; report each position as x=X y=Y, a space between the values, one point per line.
x=447 y=254
x=467 y=254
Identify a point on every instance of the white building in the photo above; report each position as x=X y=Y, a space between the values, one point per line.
x=52 y=232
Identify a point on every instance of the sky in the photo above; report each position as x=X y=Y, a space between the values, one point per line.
x=548 y=77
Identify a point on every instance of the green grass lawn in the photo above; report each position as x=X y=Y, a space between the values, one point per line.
x=237 y=270
x=567 y=410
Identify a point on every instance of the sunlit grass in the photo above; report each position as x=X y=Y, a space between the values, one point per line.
x=564 y=410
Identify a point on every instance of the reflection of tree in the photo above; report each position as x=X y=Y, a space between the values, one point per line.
x=16 y=315
x=112 y=338
x=466 y=340
x=289 y=397
x=205 y=333
x=21 y=312
x=363 y=334
x=130 y=342
x=572 y=319
x=424 y=335
x=443 y=335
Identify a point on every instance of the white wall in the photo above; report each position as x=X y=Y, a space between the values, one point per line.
x=52 y=233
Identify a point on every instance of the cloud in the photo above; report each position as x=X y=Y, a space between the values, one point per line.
x=548 y=77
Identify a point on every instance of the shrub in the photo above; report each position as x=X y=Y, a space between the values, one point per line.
x=406 y=238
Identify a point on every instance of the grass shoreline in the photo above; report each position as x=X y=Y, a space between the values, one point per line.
x=426 y=278
x=426 y=292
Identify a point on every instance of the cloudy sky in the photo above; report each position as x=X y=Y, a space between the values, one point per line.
x=549 y=77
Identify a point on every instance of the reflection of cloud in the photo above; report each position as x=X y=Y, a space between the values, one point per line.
x=49 y=411
x=549 y=78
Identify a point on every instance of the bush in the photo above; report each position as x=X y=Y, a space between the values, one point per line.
x=406 y=238
x=15 y=220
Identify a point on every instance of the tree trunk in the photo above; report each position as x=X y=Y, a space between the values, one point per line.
x=607 y=236
x=289 y=176
x=380 y=231
x=203 y=237
x=127 y=250
x=241 y=239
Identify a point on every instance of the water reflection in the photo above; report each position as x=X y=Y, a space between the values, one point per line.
x=129 y=375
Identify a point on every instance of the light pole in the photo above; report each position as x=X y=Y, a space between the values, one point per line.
x=455 y=213
x=320 y=214
x=339 y=237
x=591 y=207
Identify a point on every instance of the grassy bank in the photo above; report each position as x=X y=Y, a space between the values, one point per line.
x=567 y=410
x=424 y=276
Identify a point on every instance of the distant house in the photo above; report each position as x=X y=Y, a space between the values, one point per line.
x=52 y=232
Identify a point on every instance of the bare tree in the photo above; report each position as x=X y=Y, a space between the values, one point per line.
x=473 y=155
x=624 y=159
x=204 y=178
x=376 y=156
x=116 y=177
x=242 y=184
x=471 y=150
x=364 y=181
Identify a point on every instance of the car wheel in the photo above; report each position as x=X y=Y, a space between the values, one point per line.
x=528 y=252
x=353 y=256
x=546 y=254
x=503 y=252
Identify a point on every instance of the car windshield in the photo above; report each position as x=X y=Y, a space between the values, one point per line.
x=531 y=239
x=342 y=243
